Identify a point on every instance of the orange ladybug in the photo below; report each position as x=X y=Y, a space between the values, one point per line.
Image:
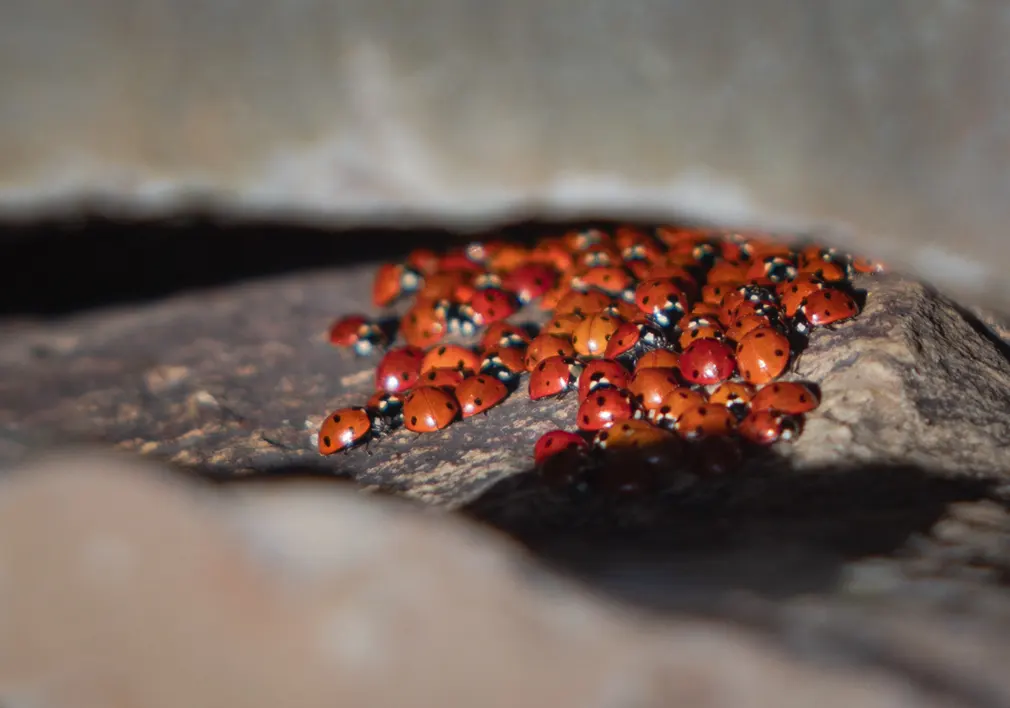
x=476 y=394
x=762 y=355
x=427 y=409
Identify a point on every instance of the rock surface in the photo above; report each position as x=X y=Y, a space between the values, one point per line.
x=121 y=584
x=864 y=564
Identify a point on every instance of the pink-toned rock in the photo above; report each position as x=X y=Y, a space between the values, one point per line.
x=122 y=586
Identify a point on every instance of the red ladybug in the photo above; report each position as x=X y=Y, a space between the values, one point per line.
x=705 y=421
x=554 y=376
x=591 y=336
x=793 y=293
x=766 y=427
x=422 y=326
x=530 y=281
x=344 y=332
x=447 y=379
x=545 y=345
x=451 y=356
x=492 y=304
x=505 y=364
x=789 y=397
x=398 y=369
x=650 y=386
x=476 y=394
x=762 y=355
x=602 y=372
x=661 y=300
x=746 y=324
x=385 y=407
x=387 y=286
x=735 y=396
x=343 y=429
x=427 y=409
x=604 y=407
x=633 y=339
x=828 y=306
x=674 y=405
x=707 y=361
x=556 y=441
x=502 y=334
x=585 y=304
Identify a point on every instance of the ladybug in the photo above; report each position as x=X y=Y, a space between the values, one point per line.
x=421 y=326
x=706 y=331
x=602 y=372
x=398 y=369
x=344 y=332
x=423 y=260
x=766 y=427
x=707 y=361
x=826 y=306
x=776 y=269
x=444 y=285
x=661 y=300
x=370 y=337
x=343 y=429
x=865 y=265
x=792 y=294
x=727 y=273
x=492 y=304
x=604 y=407
x=762 y=355
x=746 y=324
x=611 y=280
x=505 y=364
x=651 y=386
x=632 y=434
x=447 y=379
x=591 y=336
x=705 y=421
x=737 y=397
x=633 y=339
x=556 y=441
x=451 y=356
x=563 y=325
x=829 y=271
x=585 y=304
x=427 y=409
x=674 y=405
x=530 y=281
x=502 y=334
x=387 y=284
x=658 y=359
x=545 y=345
x=554 y=376
x=789 y=397
x=387 y=407
x=476 y=394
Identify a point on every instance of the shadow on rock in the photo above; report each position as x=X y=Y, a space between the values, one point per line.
x=764 y=531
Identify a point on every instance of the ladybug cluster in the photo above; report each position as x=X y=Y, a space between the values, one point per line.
x=673 y=340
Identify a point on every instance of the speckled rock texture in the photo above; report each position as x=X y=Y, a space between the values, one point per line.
x=864 y=564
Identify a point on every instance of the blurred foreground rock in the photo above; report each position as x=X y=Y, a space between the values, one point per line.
x=119 y=585
x=884 y=122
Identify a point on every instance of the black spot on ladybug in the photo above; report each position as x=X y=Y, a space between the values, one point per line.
x=827 y=313
x=746 y=374
x=326 y=440
x=600 y=400
x=779 y=352
x=450 y=405
x=543 y=365
x=759 y=335
x=336 y=418
x=664 y=410
x=803 y=398
x=585 y=419
x=703 y=410
x=827 y=296
x=645 y=300
x=478 y=402
x=694 y=374
x=413 y=420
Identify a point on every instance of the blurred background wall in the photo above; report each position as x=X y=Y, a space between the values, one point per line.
x=885 y=124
